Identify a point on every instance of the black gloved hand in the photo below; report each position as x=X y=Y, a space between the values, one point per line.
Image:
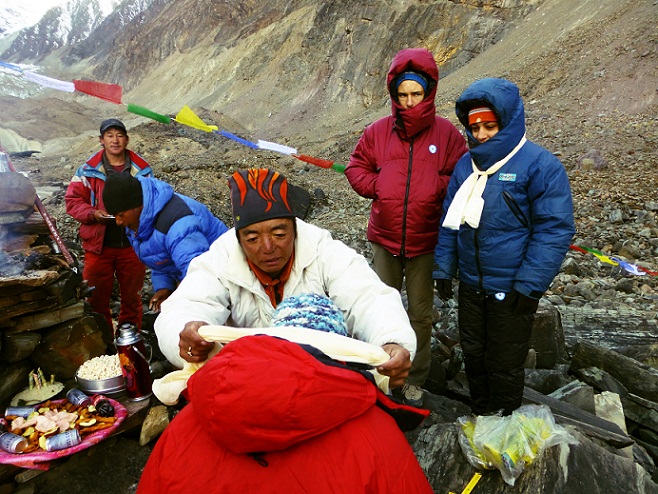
x=444 y=288
x=525 y=305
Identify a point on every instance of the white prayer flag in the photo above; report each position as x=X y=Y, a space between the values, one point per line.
x=279 y=148
x=49 y=82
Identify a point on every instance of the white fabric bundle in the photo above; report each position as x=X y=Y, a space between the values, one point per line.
x=338 y=347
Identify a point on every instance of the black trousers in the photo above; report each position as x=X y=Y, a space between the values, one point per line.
x=495 y=340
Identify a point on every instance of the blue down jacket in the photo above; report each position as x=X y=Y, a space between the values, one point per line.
x=527 y=222
x=173 y=230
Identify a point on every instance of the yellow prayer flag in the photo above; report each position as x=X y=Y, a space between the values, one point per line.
x=187 y=117
x=605 y=259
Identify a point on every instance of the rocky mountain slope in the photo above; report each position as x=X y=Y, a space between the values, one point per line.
x=311 y=75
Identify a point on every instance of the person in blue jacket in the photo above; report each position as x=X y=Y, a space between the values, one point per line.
x=507 y=225
x=166 y=229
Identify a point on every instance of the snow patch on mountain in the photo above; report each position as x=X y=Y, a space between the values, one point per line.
x=18 y=14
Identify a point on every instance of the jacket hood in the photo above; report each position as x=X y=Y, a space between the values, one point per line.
x=412 y=121
x=156 y=194
x=503 y=97
x=261 y=394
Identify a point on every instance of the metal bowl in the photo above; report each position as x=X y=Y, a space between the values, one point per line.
x=111 y=387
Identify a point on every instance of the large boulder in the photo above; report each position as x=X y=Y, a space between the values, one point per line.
x=16 y=192
x=586 y=467
x=67 y=346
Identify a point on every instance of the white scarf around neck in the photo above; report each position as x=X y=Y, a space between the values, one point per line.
x=467 y=205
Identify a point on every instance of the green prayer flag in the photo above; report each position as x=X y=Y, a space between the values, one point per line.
x=337 y=167
x=145 y=112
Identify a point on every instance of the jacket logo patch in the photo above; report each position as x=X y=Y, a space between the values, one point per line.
x=507 y=177
x=432 y=149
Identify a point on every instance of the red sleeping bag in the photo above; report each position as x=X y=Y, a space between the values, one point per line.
x=267 y=416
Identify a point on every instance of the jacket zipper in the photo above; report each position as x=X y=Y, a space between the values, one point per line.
x=403 y=246
x=477 y=259
x=514 y=207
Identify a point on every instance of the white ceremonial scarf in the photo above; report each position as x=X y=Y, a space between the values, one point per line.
x=343 y=348
x=467 y=205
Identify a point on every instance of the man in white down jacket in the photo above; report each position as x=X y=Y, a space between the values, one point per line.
x=271 y=255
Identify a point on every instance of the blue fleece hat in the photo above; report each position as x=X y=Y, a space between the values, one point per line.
x=311 y=311
x=411 y=76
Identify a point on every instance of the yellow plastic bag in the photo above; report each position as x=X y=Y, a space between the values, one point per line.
x=512 y=442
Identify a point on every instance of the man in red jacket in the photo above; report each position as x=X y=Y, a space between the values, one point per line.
x=403 y=162
x=267 y=415
x=107 y=249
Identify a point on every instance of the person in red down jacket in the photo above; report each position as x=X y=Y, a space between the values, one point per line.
x=108 y=253
x=267 y=415
x=403 y=162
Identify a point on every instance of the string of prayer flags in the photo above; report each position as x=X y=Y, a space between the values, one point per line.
x=187 y=117
x=145 y=112
x=113 y=93
x=322 y=163
x=242 y=141
x=108 y=92
x=273 y=146
x=615 y=261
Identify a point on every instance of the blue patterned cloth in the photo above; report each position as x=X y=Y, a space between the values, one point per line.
x=311 y=311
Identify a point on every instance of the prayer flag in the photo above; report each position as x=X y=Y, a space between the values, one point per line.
x=242 y=141
x=604 y=258
x=187 y=117
x=11 y=66
x=145 y=112
x=273 y=146
x=578 y=249
x=68 y=87
x=107 y=92
x=631 y=268
x=321 y=162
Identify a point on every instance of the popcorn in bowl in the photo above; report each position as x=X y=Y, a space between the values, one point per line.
x=101 y=375
x=103 y=367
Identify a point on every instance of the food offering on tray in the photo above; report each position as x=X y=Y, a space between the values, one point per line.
x=38 y=390
x=56 y=425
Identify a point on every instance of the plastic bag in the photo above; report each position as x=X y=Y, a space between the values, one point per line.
x=512 y=442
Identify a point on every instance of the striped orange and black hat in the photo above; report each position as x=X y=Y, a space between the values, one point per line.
x=258 y=195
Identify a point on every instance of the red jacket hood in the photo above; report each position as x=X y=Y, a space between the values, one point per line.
x=261 y=393
x=411 y=122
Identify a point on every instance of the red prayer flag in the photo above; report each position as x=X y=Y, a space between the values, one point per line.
x=314 y=161
x=102 y=90
x=576 y=248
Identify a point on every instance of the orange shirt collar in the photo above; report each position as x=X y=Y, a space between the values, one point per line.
x=273 y=286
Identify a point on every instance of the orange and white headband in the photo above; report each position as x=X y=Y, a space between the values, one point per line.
x=481 y=114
